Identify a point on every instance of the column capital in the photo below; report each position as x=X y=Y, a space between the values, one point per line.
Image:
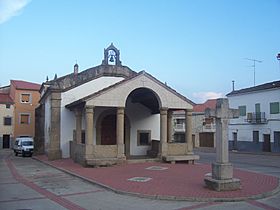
x=78 y=112
x=120 y=110
x=189 y=112
x=163 y=110
x=89 y=108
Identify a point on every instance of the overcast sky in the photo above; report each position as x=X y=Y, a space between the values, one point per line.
x=197 y=47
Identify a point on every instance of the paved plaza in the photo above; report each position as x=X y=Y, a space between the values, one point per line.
x=30 y=184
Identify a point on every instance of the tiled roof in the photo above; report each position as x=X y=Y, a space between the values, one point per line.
x=25 y=85
x=82 y=100
x=211 y=103
x=5 y=99
x=266 y=86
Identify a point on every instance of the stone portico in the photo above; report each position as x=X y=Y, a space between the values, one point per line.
x=109 y=113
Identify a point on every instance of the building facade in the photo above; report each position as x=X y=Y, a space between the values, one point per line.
x=258 y=125
x=6 y=120
x=107 y=114
x=203 y=127
x=17 y=111
x=25 y=96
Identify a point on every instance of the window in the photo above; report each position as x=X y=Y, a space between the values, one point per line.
x=143 y=137
x=25 y=98
x=242 y=110
x=274 y=108
x=24 y=119
x=7 y=121
x=8 y=106
x=257 y=108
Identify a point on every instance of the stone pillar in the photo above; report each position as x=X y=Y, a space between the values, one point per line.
x=54 y=151
x=89 y=132
x=120 y=132
x=163 y=132
x=188 y=131
x=169 y=126
x=78 y=115
x=221 y=178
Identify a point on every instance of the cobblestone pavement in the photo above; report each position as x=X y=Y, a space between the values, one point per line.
x=29 y=184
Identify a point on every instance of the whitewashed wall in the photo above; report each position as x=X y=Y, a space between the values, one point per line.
x=141 y=119
x=244 y=129
x=68 y=117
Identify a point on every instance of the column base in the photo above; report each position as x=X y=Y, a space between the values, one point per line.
x=222 y=185
x=120 y=154
x=221 y=178
x=163 y=150
x=54 y=154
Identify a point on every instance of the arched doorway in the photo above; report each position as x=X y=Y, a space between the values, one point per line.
x=143 y=108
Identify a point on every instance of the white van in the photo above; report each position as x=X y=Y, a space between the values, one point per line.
x=24 y=146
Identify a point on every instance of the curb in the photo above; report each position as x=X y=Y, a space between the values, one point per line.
x=167 y=197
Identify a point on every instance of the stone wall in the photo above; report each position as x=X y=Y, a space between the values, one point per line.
x=177 y=149
x=77 y=152
x=105 y=151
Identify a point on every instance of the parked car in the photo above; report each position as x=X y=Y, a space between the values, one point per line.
x=24 y=146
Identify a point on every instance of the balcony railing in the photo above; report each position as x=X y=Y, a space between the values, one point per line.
x=179 y=127
x=256 y=117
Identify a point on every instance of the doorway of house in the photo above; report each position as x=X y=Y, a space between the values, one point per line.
x=234 y=140
x=108 y=130
x=266 y=143
x=6 y=141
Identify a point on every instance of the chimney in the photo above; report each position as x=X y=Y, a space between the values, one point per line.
x=232 y=85
x=76 y=69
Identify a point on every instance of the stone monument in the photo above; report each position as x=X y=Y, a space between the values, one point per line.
x=221 y=178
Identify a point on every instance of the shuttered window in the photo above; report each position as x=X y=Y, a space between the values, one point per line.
x=274 y=108
x=242 y=110
x=24 y=119
x=25 y=98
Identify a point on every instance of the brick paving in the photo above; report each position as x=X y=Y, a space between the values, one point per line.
x=179 y=181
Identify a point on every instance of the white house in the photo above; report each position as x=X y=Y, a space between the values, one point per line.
x=107 y=114
x=258 y=125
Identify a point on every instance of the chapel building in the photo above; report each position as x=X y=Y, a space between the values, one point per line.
x=109 y=113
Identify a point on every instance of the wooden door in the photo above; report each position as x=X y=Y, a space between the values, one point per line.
x=108 y=130
x=266 y=143
x=6 y=141
x=206 y=139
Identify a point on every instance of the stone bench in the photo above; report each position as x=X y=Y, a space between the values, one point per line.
x=175 y=158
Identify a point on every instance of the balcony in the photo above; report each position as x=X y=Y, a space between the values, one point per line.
x=209 y=127
x=256 y=117
x=179 y=127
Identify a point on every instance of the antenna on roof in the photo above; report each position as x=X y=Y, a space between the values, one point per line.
x=254 y=66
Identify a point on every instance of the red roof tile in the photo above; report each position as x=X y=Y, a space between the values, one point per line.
x=25 y=85
x=5 y=99
x=211 y=103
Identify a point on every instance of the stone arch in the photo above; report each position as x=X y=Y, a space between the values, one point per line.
x=146 y=97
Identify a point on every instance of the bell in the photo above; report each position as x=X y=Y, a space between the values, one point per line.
x=111 y=58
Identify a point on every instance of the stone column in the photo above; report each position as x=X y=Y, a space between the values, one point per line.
x=78 y=136
x=163 y=132
x=169 y=126
x=54 y=151
x=188 y=131
x=221 y=178
x=89 y=132
x=120 y=132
